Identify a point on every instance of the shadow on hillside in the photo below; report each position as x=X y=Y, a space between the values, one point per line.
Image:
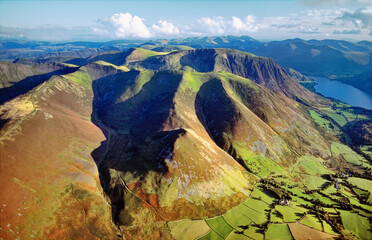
x=136 y=143
x=29 y=83
x=359 y=132
x=3 y=121
x=116 y=58
x=216 y=112
x=202 y=60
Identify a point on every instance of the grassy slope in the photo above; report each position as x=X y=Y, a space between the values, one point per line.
x=356 y=224
x=361 y=183
x=279 y=232
x=220 y=226
x=12 y=73
x=51 y=199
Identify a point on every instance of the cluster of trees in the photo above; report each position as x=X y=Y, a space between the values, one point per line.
x=274 y=187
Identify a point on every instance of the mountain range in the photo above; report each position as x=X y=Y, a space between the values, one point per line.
x=183 y=139
x=349 y=62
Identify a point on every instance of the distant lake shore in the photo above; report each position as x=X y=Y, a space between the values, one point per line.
x=342 y=92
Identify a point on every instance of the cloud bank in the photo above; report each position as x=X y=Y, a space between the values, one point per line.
x=126 y=25
x=220 y=25
x=336 y=2
x=321 y=23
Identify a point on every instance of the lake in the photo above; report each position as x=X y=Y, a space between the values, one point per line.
x=343 y=92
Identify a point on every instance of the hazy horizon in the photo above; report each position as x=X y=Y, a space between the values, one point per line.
x=115 y=20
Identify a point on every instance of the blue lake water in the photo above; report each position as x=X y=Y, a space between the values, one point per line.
x=343 y=92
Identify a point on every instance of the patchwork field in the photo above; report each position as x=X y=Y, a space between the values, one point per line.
x=256 y=218
x=361 y=183
x=349 y=155
x=289 y=214
x=278 y=232
x=220 y=226
x=302 y=232
x=356 y=224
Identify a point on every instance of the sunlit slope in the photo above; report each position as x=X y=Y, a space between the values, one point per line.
x=51 y=185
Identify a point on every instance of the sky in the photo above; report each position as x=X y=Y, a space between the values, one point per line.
x=57 y=20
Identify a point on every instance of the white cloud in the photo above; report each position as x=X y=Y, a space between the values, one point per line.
x=307 y=29
x=164 y=28
x=367 y=10
x=321 y=22
x=214 y=26
x=128 y=26
x=335 y=2
x=351 y=31
x=219 y=25
x=360 y=17
x=315 y=23
x=237 y=24
x=248 y=26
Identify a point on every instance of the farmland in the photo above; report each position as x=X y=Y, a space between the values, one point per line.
x=278 y=232
x=356 y=224
x=261 y=215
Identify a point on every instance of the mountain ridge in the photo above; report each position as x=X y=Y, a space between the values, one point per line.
x=335 y=59
x=173 y=97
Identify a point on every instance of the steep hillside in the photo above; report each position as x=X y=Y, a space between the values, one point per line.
x=263 y=71
x=362 y=81
x=155 y=160
x=51 y=184
x=307 y=82
x=169 y=143
x=11 y=74
x=120 y=58
x=17 y=79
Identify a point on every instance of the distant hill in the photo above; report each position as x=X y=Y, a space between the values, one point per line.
x=18 y=50
x=17 y=79
x=338 y=60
